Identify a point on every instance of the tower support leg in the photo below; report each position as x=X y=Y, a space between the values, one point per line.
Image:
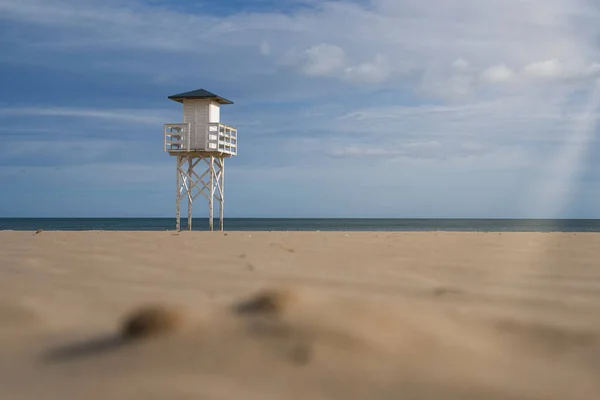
x=211 y=166
x=221 y=196
x=209 y=184
x=178 y=198
x=190 y=200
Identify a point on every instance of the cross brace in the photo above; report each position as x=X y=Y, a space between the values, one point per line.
x=210 y=184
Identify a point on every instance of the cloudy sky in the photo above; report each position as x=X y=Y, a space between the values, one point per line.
x=345 y=108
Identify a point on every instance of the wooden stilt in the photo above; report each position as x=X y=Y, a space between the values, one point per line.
x=222 y=195
x=190 y=187
x=178 y=201
x=212 y=192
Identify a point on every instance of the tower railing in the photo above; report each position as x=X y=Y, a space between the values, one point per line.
x=177 y=137
x=220 y=138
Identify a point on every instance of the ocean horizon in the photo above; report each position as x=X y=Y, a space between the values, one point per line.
x=308 y=224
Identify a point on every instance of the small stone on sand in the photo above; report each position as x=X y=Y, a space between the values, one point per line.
x=150 y=321
x=267 y=302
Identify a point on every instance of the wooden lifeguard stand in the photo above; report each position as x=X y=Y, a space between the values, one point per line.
x=201 y=144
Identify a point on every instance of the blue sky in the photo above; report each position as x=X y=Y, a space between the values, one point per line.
x=345 y=108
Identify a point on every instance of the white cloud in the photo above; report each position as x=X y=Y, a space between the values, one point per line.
x=498 y=73
x=446 y=85
x=74 y=151
x=97 y=174
x=322 y=59
x=265 y=48
x=143 y=116
x=431 y=150
x=460 y=63
x=376 y=71
x=544 y=69
x=557 y=70
x=329 y=60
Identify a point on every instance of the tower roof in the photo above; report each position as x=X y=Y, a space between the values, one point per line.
x=199 y=94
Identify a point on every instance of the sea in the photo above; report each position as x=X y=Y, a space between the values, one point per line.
x=306 y=224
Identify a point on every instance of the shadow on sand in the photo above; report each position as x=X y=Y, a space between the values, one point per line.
x=85 y=348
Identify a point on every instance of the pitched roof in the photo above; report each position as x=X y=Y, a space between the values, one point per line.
x=199 y=94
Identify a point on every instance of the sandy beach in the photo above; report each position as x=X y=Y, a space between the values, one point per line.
x=299 y=315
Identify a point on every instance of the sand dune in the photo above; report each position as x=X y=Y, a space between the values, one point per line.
x=102 y=315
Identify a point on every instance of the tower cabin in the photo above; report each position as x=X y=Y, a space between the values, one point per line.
x=201 y=130
x=201 y=143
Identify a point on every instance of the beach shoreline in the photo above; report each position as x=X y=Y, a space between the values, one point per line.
x=308 y=224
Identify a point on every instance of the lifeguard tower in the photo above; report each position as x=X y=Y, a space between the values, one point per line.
x=201 y=144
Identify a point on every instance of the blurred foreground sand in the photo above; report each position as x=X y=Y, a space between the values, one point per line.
x=363 y=316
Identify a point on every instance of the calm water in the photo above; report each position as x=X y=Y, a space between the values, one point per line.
x=285 y=224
